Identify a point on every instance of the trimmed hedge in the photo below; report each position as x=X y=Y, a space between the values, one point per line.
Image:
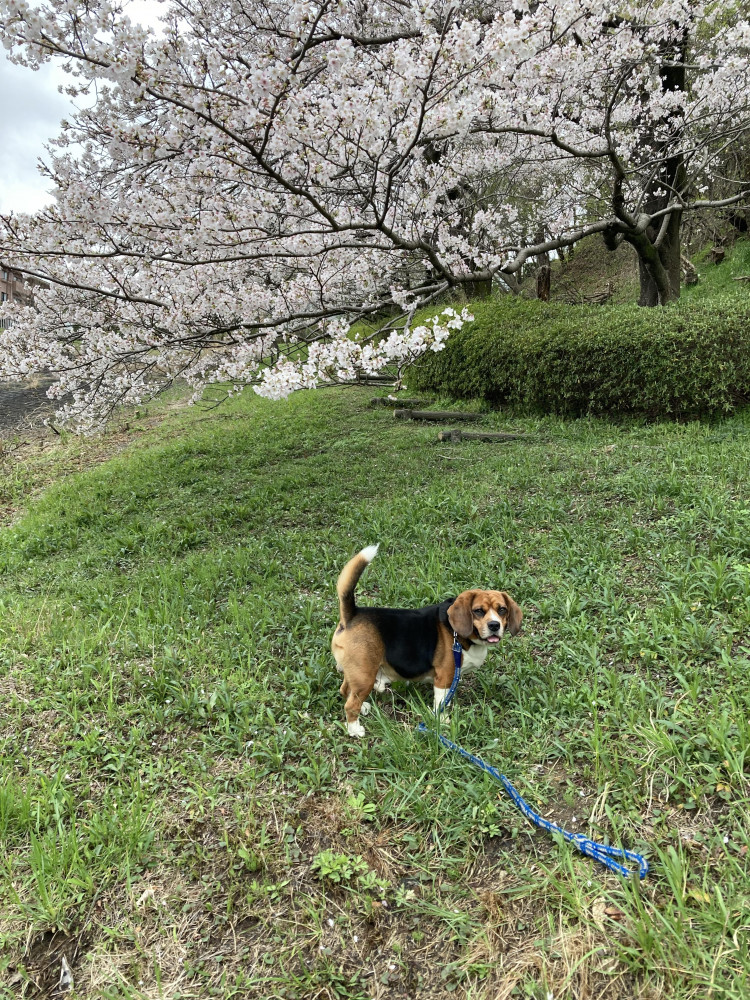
x=688 y=359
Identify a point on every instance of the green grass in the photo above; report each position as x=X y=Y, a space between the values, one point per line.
x=713 y=279
x=182 y=813
x=590 y=270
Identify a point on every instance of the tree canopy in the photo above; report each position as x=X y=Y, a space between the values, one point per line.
x=242 y=188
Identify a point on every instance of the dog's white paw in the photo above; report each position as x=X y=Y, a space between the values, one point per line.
x=355 y=729
x=439 y=698
x=381 y=683
x=365 y=709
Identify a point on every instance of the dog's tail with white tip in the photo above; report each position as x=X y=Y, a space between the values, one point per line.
x=348 y=581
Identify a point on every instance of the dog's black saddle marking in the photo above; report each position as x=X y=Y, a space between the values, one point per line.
x=410 y=636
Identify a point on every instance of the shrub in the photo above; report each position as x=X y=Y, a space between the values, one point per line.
x=687 y=359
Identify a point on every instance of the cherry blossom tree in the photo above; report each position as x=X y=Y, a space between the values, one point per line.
x=267 y=192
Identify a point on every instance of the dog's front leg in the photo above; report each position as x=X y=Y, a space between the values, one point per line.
x=442 y=680
x=439 y=696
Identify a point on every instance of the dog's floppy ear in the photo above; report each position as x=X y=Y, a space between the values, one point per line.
x=515 y=615
x=459 y=614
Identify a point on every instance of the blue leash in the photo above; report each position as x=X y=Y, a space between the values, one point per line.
x=604 y=853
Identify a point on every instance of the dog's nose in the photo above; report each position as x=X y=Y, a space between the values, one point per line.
x=493 y=626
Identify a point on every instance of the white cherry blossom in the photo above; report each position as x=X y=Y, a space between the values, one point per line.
x=267 y=193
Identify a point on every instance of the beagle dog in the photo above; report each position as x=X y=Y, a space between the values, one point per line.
x=374 y=646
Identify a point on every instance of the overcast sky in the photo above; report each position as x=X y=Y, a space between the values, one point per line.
x=32 y=112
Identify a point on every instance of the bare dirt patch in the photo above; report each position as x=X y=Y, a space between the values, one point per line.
x=39 y=975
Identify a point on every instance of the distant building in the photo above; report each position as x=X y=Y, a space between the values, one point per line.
x=11 y=286
x=15 y=286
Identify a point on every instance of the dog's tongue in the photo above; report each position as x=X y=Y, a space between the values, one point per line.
x=493 y=638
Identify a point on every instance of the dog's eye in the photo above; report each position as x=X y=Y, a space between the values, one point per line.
x=480 y=612
x=502 y=612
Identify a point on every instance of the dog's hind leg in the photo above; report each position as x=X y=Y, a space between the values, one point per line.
x=382 y=681
x=355 y=706
x=359 y=660
x=344 y=689
x=355 y=728
x=359 y=679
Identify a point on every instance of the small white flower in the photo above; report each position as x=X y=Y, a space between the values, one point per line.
x=726 y=840
x=330 y=922
x=355 y=939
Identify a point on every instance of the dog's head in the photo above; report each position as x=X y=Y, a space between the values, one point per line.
x=484 y=615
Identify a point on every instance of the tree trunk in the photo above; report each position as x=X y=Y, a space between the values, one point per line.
x=658 y=247
x=543 y=282
x=544 y=272
x=479 y=289
x=659 y=267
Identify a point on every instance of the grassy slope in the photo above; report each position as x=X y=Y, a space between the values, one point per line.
x=182 y=814
x=590 y=267
x=717 y=278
